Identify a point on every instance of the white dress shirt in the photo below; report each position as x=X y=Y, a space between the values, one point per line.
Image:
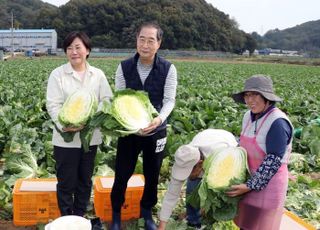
x=62 y=82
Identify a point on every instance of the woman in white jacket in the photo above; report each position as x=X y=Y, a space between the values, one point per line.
x=74 y=167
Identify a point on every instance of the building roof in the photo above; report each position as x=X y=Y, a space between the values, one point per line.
x=29 y=30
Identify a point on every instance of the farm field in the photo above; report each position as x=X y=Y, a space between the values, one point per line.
x=203 y=101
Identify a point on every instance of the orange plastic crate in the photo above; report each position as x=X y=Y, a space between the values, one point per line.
x=33 y=205
x=102 y=201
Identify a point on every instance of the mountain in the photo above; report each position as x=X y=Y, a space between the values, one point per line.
x=25 y=13
x=187 y=24
x=304 y=37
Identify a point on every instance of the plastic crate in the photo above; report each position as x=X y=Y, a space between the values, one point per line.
x=102 y=201
x=34 y=201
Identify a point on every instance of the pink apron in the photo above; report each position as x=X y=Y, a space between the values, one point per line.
x=262 y=210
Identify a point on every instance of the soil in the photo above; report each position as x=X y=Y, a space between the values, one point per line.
x=314 y=175
x=8 y=225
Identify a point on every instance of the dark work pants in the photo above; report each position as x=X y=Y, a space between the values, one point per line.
x=74 y=170
x=193 y=214
x=128 y=150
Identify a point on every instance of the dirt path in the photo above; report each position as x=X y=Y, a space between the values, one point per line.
x=8 y=225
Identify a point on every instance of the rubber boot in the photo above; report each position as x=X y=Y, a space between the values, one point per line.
x=116 y=221
x=148 y=221
x=96 y=224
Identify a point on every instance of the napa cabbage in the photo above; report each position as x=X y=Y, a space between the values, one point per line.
x=104 y=170
x=223 y=168
x=78 y=108
x=128 y=112
x=132 y=110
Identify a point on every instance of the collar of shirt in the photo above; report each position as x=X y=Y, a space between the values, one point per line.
x=262 y=114
x=155 y=60
x=69 y=70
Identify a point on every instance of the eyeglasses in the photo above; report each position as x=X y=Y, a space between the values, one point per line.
x=250 y=94
x=149 y=42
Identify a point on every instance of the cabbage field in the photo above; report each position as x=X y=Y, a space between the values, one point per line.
x=203 y=101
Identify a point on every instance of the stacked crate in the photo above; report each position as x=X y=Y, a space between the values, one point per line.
x=34 y=201
x=102 y=201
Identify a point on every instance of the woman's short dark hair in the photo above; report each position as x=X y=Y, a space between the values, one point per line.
x=152 y=25
x=77 y=34
x=266 y=100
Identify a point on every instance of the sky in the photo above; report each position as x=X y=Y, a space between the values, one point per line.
x=261 y=15
x=56 y=2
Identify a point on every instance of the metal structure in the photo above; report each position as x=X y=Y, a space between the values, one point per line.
x=21 y=40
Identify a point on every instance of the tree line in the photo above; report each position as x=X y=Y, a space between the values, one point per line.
x=187 y=24
x=304 y=38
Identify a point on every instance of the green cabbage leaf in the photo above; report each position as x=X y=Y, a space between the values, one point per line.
x=128 y=113
x=223 y=168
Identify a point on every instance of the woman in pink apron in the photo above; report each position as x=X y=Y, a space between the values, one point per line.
x=267 y=136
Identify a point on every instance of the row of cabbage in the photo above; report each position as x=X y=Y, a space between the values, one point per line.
x=203 y=101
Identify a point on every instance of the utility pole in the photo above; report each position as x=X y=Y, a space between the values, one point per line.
x=12 y=46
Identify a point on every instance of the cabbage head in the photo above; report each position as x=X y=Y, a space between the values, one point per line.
x=78 y=108
x=224 y=167
x=132 y=109
x=128 y=113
